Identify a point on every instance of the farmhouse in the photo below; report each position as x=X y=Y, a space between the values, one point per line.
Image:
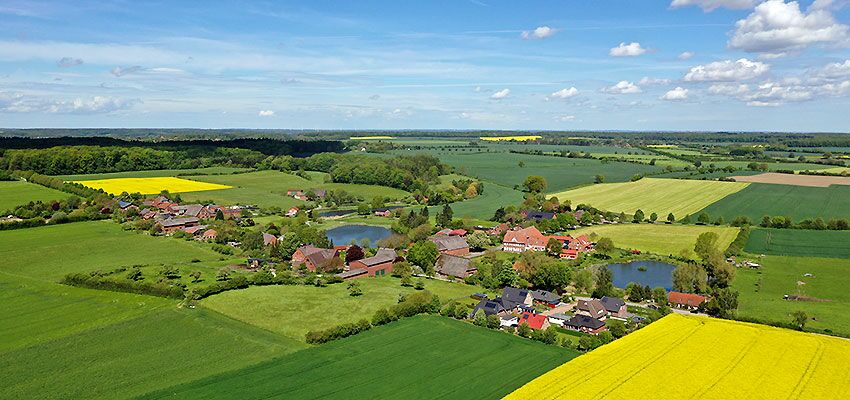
x=534 y=321
x=292 y=212
x=170 y=225
x=313 y=258
x=615 y=307
x=583 y=323
x=592 y=308
x=209 y=234
x=526 y=239
x=454 y=266
x=452 y=245
x=378 y=265
x=305 y=195
x=685 y=300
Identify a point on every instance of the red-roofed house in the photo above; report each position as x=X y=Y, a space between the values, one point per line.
x=534 y=321
x=458 y=232
x=292 y=212
x=526 y=239
x=686 y=300
x=209 y=234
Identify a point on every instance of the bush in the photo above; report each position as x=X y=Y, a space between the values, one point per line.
x=97 y=281
x=337 y=332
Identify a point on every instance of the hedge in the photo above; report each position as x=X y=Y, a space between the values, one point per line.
x=124 y=285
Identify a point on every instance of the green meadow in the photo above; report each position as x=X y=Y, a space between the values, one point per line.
x=415 y=358
x=659 y=238
x=16 y=193
x=797 y=202
x=799 y=242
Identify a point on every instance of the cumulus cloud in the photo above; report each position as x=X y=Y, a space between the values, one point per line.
x=835 y=70
x=679 y=93
x=622 y=87
x=564 y=93
x=25 y=103
x=632 y=49
x=374 y=97
x=711 y=5
x=121 y=71
x=541 y=32
x=646 y=81
x=67 y=62
x=776 y=28
x=727 y=71
x=565 y=118
x=266 y=113
x=686 y=55
x=501 y=94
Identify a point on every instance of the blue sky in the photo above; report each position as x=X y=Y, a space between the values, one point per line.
x=476 y=64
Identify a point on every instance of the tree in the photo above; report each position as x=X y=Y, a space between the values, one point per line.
x=723 y=303
x=223 y=274
x=471 y=191
x=671 y=218
x=354 y=253
x=363 y=209
x=444 y=218
x=219 y=215
x=478 y=240
x=799 y=319
x=605 y=337
x=480 y=319
x=523 y=330
x=599 y=179
x=704 y=218
x=706 y=244
x=617 y=328
x=406 y=280
x=253 y=240
x=493 y=321
x=653 y=217
x=639 y=217
x=605 y=245
x=424 y=254
x=354 y=289
x=659 y=296
x=719 y=271
x=587 y=342
x=535 y=184
x=420 y=284
x=507 y=276
x=583 y=281
x=690 y=278
x=554 y=246
x=550 y=275
x=604 y=283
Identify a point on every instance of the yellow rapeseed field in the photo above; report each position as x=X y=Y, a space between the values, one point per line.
x=151 y=185
x=505 y=138
x=371 y=137
x=690 y=357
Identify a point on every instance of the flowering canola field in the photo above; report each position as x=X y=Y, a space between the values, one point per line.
x=689 y=357
x=506 y=138
x=151 y=185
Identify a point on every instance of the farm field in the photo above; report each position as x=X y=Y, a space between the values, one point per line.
x=152 y=173
x=485 y=204
x=510 y=138
x=646 y=158
x=117 y=186
x=797 y=202
x=798 y=242
x=16 y=193
x=761 y=291
x=659 y=238
x=560 y=172
x=418 y=357
x=293 y=310
x=735 y=360
x=268 y=188
x=661 y=196
x=774 y=166
x=796 y=180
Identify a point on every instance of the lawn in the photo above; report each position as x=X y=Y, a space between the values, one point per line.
x=16 y=193
x=126 y=359
x=292 y=311
x=268 y=188
x=659 y=238
x=689 y=357
x=797 y=202
x=415 y=358
x=662 y=196
x=150 y=185
x=153 y=173
x=797 y=242
x=761 y=291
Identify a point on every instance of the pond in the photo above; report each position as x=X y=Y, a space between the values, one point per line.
x=346 y=233
x=649 y=273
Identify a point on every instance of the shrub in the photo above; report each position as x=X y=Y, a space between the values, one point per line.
x=337 y=332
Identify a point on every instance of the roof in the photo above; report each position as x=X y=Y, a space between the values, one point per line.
x=268 y=238
x=534 y=321
x=194 y=229
x=583 y=321
x=686 y=299
x=545 y=296
x=318 y=258
x=593 y=307
x=447 y=243
x=529 y=236
x=351 y=273
x=210 y=233
x=308 y=249
x=124 y=204
x=382 y=256
x=490 y=307
x=190 y=209
x=458 y=232
x=172 y=222
x=612 y=304
x=454 y=266
x=512 y=297
x=538 y=215
x=563 y=317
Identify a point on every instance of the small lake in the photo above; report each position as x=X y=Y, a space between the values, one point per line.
x=657 y=274
x=345 y=234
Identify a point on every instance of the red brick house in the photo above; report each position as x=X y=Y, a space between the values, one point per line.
x=312 y=257
x=170 y=225
x=686 y=300
x=209 y=234
x=526 y=239
x=453 y=245
x=378 y=265
x=534 y=321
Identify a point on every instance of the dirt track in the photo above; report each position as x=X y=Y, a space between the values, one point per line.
x=796 y=180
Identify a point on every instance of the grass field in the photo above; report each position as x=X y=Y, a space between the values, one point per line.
x=773 y=166
x=797 y=202
x=415 y=358
x=797 y=242
x=150 y=185
x=659 y=238
x=152 y=173
x=661 y=196
x=484 y=205
x=689 y=357
x=761 y=291
x=16 y=193
x=268 y=188
x=293 y=310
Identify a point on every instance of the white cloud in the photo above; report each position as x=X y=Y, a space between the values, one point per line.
x=541 y=32
x=121 y=71
x=501 y=94
x=646 y=81
x=632 y=49
x=727 y=71
x=686 y=55
x=622 y=87
x=776 y=27
x=729 y=89
x=266 y=113
x=564 y=93
x=26 y=103
x=711 y=5
x=836 y=70
x=565 y=118
x=678 y=93
x=67 y=62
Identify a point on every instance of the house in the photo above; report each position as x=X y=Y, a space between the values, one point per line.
x=457 y=232
x=513 y=297
x=147 y=213
x=195 y=230
x=209 y=234
x=269 y=239
x=210 y=211
x=686 y=300
x=125 y=205
x=454 y=266
x=170 y=225
x=453 y=245
x=489 y=307
x=526 y=239
x=498 y=229
x=592 y=308
x=583 y=323
x=292 y=212
x=568 y=254
x=300 y=255
x=509 y=321
x=559 y=319
x=615 y=307
x=378 y=265
x=383 y=212
x=304 y=195
x=546 y=297
x=537 y=215
x=443 y=232
x=297 y=194
x=189 y=210
x=534 y=321
x=313 y=258
x=352 y=273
